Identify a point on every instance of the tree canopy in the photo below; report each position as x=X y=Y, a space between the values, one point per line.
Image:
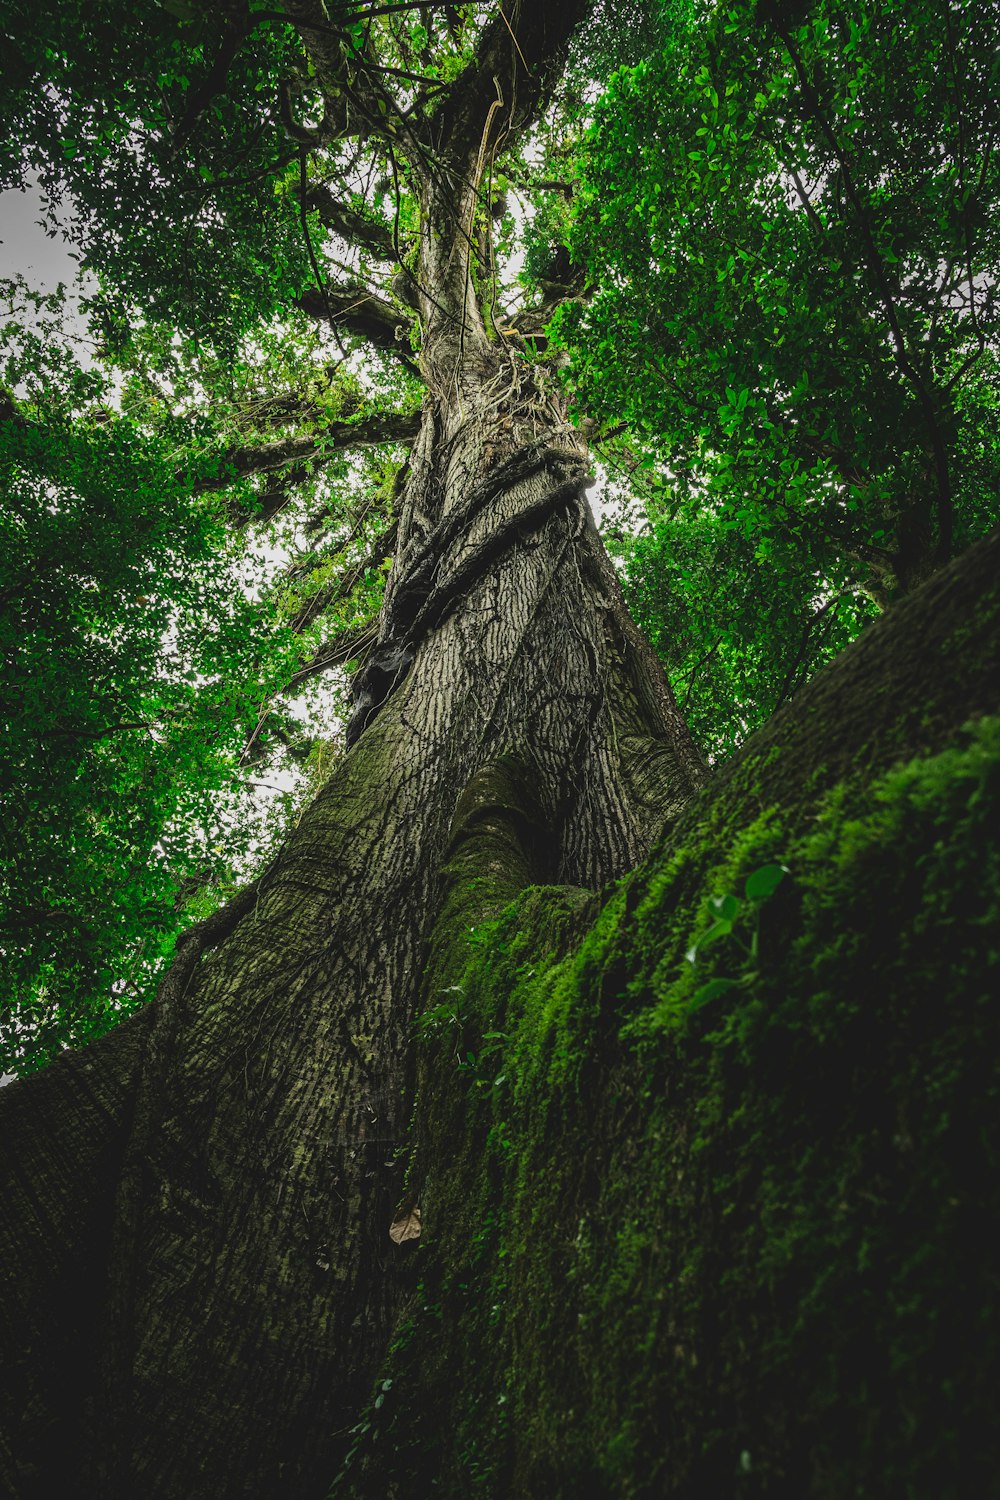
x=789 y=220
x=757 y=242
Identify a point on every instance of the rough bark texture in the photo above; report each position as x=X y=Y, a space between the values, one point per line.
x=249 y=1287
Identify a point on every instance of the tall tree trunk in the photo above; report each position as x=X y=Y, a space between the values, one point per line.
x=251 y=1282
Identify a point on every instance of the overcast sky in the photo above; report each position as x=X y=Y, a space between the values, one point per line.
x=26 y=249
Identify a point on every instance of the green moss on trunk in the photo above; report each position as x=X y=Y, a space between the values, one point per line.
x=723 y=1224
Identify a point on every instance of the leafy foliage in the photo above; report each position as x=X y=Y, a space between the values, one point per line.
x=133 y=662
x=175 y=174
x=789 y=221
x=741 y=622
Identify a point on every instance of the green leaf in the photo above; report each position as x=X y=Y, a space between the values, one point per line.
x=721 y=928
x=726 y=906
x=711 y=991
x=764 y=882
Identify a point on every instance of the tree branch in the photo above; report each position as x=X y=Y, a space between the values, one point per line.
x=356 y=310
x=382 y=427
x=520 y=54
x=346 y=582
x=908 y=368
x=198 y=99
x=357 y=228
x=345 y=77
x=336 y=652
x=271 y=500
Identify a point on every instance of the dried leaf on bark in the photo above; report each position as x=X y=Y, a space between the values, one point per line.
x=406 y=1227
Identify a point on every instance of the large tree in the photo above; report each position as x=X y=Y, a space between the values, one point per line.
x=260 y=1173
x=204 y=1281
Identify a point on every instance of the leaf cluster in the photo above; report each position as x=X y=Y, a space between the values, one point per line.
x=788 y=221
x=171 y=176
x=133 y=659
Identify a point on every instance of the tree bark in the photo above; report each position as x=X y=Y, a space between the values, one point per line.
x=250 y=1283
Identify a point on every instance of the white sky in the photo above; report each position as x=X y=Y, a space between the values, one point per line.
x=25 y=248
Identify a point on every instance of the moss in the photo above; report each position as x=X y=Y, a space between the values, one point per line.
x=721 y=1226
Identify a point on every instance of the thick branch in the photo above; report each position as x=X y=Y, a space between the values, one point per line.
x=356 y=310
x=357 y=228
x=520 y=56
x=271 y=500
x=383 y=427
x=532 y=322
x=349 y=90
